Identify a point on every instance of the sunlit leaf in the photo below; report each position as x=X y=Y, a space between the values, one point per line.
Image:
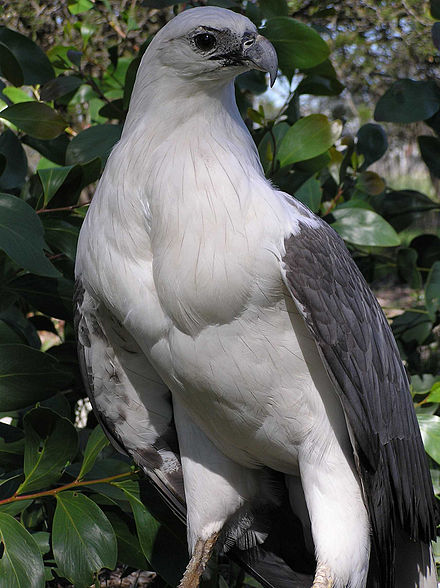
x=430 y=429
x=308 y=137
x=364 y=227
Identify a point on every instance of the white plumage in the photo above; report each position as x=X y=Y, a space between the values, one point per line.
x=187 y=308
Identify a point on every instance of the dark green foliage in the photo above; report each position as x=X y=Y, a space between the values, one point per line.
x=69 y=504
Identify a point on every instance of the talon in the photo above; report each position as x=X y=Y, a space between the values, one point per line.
x=323 y=577
x=197 y=564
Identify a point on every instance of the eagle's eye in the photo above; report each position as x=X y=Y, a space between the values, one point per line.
x=205 y=41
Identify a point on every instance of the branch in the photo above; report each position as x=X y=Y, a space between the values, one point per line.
x=61 y=208
x=75 y=484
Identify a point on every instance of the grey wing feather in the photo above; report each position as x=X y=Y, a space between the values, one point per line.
x=130 y=400
x=362 y=360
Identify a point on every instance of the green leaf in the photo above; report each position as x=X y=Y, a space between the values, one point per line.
x=33 y=62
x=412 y=327
x=129 y=550
x=15 y=508
x=161 y=3
x=35 y=118
x=155 y=539
x=254 y=81
x=95 y=141
x=147 y=526
x=11 y=456
x=21 y=325
x=435 y=35
x=428 y=249
x=402 y=207
x=432 y=290
x=372 y=143
x=16 y=95
x=364 y=227
x=113 y=110
x=407 y=267
x=61 y=235
x=21 y=236
x=50 y=444
x=310 y=194
x=408 y=101
x=59 y=87
x=370 y=183
x=434 y=394
x=83 y=540
x=308 y=137
x=266 y=147
x=273 y=8
x=14 y=174
x=430 y=429
x=297 y=45
x=95 y=444
x=435 y=9
x=317 y=85
x=50 y=296
x=21 y=565
x=430 y=151
x=9 y=66
x=8 y=335
x=42 y=539
x=27 y=376
x=320 y=80
x=53 y=149
x=79 y=6
x=52 y=179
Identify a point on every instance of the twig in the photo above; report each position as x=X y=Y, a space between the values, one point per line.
x=61 y=208
x=75 y=484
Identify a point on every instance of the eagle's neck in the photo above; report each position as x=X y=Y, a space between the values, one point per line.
x=183 y=141
x=193 y=183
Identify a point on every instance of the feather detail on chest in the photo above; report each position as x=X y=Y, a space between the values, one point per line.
x=209 y=222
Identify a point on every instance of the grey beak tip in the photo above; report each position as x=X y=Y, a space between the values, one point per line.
x=262 y=56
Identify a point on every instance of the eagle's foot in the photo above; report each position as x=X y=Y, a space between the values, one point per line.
x=323 y=577
x=196 y=567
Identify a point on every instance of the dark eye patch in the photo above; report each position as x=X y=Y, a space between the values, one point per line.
x=205 y=41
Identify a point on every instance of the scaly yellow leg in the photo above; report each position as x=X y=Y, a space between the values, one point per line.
x=323 y=578
x=196 y=567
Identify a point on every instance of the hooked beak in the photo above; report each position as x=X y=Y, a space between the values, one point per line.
x=261 y=55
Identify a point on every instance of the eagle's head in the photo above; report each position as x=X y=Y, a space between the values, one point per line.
x=210 y=43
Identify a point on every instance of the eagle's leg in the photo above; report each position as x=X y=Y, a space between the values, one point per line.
x=197 y=564
x=323 y=577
